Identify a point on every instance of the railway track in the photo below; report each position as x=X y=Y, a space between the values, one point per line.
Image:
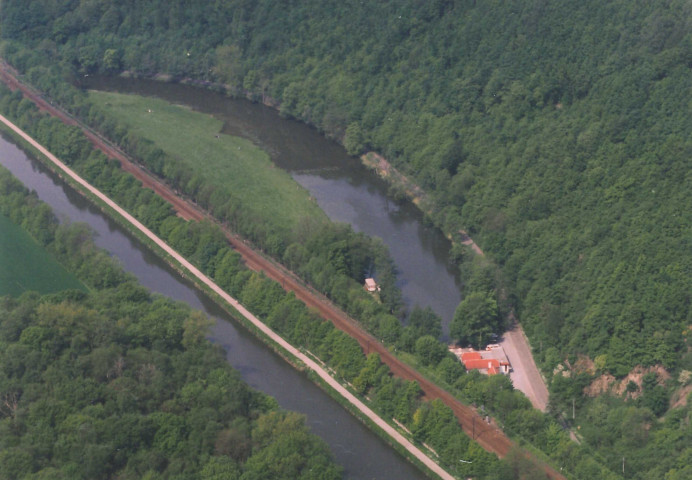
x=486 y=434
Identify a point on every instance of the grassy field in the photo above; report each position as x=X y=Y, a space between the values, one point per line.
x=225 y=161
x=25 y=265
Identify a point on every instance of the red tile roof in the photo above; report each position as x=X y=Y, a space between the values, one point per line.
x=466 y=356
x=481 y=363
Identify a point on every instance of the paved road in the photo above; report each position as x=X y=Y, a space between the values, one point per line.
x=525 y=375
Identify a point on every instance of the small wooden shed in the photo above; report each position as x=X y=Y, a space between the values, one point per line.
x=371 y=285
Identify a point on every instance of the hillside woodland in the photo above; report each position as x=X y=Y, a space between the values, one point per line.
x=557 y=134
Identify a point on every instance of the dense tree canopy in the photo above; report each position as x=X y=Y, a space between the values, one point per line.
x=556 y=134
x=120 y=383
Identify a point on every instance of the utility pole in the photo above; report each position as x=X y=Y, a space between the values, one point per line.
x=623 y=466
x=572 y=408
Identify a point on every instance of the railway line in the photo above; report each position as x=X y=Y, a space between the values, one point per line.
x=486 y=434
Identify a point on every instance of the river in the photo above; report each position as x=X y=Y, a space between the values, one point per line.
x=360 y=451
x=342 y=186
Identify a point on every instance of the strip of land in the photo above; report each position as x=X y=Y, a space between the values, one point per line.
x=191 y=269
x=487 y=435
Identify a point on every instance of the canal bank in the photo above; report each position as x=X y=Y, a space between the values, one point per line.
x=363 y=454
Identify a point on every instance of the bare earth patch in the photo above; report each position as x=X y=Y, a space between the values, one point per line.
x=608 y=383
x=680 y=397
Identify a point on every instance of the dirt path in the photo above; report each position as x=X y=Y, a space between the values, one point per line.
x=487 y=435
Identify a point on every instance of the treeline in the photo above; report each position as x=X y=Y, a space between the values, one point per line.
x=70 y=245
x=120 y=382
x=206 y=246
x=554 y=134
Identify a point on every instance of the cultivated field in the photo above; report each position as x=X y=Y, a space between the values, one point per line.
x=25 y=265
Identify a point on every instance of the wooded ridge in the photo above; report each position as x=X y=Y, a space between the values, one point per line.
x=558 y=135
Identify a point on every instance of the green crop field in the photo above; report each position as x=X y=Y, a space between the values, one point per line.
x=221 y=160
x=25 y=265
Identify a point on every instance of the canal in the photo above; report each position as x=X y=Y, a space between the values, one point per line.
x=360 y=451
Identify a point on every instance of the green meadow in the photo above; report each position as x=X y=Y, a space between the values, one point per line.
x=224 y=161
x=25 y=265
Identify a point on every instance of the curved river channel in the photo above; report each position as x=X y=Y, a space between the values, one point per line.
x=342 y=186
x=360 y=451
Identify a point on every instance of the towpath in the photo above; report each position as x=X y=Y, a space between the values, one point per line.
x=303 y=358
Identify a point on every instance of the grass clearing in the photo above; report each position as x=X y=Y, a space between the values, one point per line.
x=26 y=265
x=227 y=162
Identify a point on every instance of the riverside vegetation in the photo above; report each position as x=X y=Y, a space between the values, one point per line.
x=119 y=382
x=555 y=134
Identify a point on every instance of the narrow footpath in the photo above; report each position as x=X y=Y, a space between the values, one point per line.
x=487 y=435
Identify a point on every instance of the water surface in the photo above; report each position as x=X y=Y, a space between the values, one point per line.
x=360 y=451
x=343 y=188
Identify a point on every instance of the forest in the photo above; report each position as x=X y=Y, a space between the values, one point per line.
x=557 y=135
x=564 y=165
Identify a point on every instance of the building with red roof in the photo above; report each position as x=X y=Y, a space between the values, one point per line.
x=491 y=361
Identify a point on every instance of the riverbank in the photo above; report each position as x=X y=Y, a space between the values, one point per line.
x=493 y=441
